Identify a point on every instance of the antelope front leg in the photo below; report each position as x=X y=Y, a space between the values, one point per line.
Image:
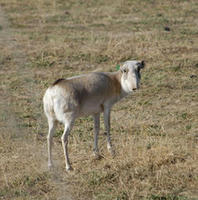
x=96 y=118
x=107 y=130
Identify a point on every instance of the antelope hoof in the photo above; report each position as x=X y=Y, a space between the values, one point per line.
x=69 y=169
x=50 y=166
x=97 y=156
x=111 y=151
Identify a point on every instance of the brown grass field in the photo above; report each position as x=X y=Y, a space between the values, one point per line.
x=155 y=131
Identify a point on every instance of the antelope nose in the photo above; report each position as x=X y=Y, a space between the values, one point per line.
x=134 y=89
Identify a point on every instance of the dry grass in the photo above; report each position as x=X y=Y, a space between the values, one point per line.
x=155 y=132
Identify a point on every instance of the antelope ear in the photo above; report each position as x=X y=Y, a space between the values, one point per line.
x=141 y=65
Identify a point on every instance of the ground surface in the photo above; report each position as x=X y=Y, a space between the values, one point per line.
x=155 y=132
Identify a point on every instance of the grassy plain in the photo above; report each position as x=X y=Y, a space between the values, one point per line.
x=155 y=131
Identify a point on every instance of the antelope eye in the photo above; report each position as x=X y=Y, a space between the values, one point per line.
x=124 y=70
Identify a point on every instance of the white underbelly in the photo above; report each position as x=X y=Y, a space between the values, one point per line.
x=90 y=109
